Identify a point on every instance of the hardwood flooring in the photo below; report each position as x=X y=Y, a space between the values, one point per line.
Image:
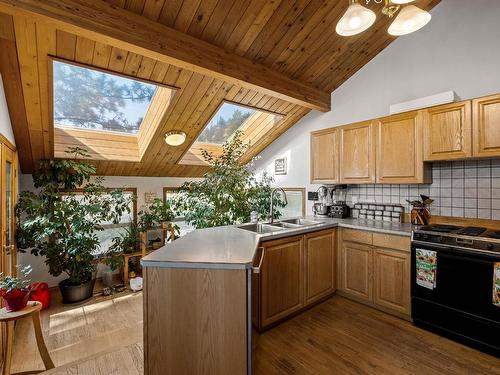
x=336 y=337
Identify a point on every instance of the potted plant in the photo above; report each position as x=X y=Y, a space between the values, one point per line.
x=15 y=291
x=61 y=225
x=159 y=214
x=228 y=192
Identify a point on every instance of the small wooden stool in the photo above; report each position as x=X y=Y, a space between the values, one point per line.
x=9 y=318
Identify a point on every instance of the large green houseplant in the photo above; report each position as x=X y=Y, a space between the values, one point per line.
x=61 y=219
x=228 y=192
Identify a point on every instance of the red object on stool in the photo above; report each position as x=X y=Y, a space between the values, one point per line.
x=40 y=292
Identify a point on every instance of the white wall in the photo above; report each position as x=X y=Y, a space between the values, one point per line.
x=143 y=185
x=5 y=125
x=458 y=50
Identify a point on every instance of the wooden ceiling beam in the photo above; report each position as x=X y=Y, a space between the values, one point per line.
x=109 y=24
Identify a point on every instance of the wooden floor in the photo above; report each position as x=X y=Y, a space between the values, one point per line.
x=336 y=337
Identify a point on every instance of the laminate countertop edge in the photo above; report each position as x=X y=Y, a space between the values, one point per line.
x=230 y=247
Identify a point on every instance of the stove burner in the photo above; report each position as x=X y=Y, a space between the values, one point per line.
x=495 y=235
x=472 y=231
x=441 y=228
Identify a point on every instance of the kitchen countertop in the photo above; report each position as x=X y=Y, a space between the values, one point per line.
x=231 y=247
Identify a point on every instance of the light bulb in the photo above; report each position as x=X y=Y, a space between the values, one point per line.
x=355 y=20
x=175 y=138
x=409 y=20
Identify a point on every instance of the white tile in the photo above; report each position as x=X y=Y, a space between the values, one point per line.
x=457 y=202
x=495 y=183
x=445 y=201
x=483 y=183
x=471 y=163
x=495 y=172
x=483 y=172
x=446 y=182
x=484 y=214
x=495 y=204
x=470 y=192
x=495 y=214
x=484 y=193
x=470 y=172
x=445 y=193
x=470 y=212
x=457 y=164
x=457 y=212
x=470 y=203
x=484 y=203
x=445 y=211
x=470 y=183
x=457 y=192
x=457 y=183
x=446 y=173
x=495 y=193
x=458 y=173
x=483 y=163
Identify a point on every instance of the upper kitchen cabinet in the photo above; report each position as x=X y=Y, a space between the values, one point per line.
x=324 y=156
x=448 y=131
x=400 y=149
x=486 y=126
x=357 y=153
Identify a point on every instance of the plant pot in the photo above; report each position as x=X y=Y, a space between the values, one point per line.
x=76 y=293
x=107 y=277
x=16 y=299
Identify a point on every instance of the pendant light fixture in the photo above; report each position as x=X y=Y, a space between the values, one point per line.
x=409 y=20
x=355 y=20
x=358 y=18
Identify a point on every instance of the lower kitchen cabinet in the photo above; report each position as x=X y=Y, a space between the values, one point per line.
x=392 y=279
x=356 y=268
x=296 y=272
x=281 y=279
x=320 y=265
x=376 y=273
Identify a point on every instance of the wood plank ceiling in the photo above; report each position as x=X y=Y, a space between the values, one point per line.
x=296 y=38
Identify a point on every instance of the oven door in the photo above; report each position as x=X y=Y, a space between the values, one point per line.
x=464 y=281
x=461 y=304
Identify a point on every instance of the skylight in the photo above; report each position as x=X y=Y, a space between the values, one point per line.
x=224 y=123
x=94 y=100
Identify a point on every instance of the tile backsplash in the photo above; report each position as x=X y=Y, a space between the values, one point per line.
x=460 y=188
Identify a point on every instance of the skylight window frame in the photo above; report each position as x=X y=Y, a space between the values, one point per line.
x=224 y=101
x=141 y=139
x=52 y=59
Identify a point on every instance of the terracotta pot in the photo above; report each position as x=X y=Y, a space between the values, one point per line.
x=15 y=299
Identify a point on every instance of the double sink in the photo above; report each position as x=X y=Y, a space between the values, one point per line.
x=279 y=226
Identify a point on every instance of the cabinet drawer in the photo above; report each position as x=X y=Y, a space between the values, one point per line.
x=391 y=241
x=354 y=235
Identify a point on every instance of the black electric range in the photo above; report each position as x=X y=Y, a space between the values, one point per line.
x=453 y=285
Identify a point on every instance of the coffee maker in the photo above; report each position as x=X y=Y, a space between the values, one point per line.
x=339 y=207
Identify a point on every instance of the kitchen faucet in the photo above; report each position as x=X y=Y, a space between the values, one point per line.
x=271 y=211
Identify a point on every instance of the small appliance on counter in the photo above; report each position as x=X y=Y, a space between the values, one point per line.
x=339 y=208
x=323 y=205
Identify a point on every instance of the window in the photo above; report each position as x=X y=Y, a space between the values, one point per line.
x=91 y=99
x=296 y=203
x=184 y=227
x=230 y=117
x=112 y=230
x=224 y=123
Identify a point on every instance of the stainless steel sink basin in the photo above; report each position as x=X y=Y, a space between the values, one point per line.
x=261 y=228
x=301 y=222
x=284 y=225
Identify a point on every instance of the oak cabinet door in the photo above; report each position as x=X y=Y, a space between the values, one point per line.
x=399 y=149
x=324 y=156
x=357 y=153
x=282 y=279
x=392 y=279
x=448 y=131
x=356 y=270
x=319 y=265
x=486 y=126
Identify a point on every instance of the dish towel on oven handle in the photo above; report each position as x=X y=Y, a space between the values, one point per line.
x=426 y=268
x=496 y=284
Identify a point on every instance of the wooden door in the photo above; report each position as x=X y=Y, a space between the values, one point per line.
x=392 y=279
x=485 y=126
x=320 y=275
x=356 y=270
x=282 y=279
x=357 y=153
x=400 y=149
x=448 y=131
x=7 y=204
x=324 y=157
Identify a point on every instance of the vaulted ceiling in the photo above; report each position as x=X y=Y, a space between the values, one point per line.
x=281 y=56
